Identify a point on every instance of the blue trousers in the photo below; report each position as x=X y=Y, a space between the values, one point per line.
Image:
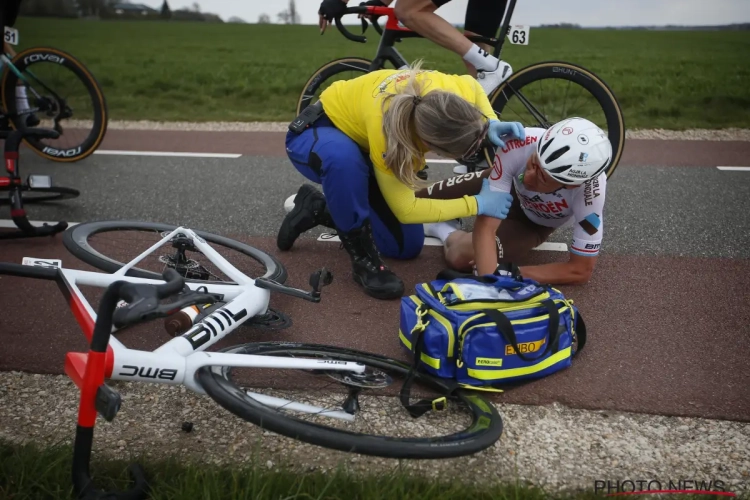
x=327 y=156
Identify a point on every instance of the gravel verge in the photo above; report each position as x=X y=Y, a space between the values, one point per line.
x=727 y=134
x=554 y=447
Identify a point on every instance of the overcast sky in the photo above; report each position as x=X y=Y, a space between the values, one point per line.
x=583 y=12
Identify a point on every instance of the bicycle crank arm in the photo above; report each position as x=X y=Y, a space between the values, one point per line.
x=318 y=280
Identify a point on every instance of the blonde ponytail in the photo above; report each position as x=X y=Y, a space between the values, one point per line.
x=445 y=121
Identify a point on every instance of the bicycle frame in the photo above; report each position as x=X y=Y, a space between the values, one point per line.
x=176 y=361
x=395 y=31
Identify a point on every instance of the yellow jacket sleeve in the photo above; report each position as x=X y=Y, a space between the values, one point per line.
x=409 y=209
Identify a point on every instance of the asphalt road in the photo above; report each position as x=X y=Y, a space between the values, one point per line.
x=667 y=310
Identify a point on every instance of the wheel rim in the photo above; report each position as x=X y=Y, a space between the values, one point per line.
x=560 y=96
x=107 y=245
x=348 y=69
x=451 y=434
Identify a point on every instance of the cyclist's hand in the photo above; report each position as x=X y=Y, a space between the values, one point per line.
x=512 y=129
x=493 y=203
x=328 y=10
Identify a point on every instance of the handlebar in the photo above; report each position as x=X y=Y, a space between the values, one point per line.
x=18 y=213
x=372 y=11
x=96 y=397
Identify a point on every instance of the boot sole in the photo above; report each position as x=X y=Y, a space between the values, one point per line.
x=292 y=218
x=382 y=295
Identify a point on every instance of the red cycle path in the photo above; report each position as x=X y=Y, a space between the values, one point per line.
x=673 y=349
x=679 y=348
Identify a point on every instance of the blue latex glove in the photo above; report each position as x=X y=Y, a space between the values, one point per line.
x=493 y=203
x=511 y=129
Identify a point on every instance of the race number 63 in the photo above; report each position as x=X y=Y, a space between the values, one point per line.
x=519 y=35
x=11 y=35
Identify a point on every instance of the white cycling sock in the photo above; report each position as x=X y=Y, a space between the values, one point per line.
x=441 y=230
x=481 y=59
x=22 y=102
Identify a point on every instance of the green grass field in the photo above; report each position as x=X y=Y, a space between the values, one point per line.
x=28 y=472
x=235 y=72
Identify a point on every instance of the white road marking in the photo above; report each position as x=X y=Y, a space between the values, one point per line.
x=434 y=242
x=9 y=224
x=428 y=241
x=435 y=160
x=743 y=169
x=165 y=153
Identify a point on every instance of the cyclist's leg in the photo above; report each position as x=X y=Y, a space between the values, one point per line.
x=419 y=15
x=483 y=18
x=8 y=15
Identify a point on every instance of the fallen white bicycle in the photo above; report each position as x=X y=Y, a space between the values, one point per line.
x=293 y=384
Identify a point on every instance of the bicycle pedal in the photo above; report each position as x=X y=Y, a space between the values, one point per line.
x=320 y=278
x=107 y=402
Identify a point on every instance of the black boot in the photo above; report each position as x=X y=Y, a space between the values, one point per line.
x=309 y=211
x=367 y=268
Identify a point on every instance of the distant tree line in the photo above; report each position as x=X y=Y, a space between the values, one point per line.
x=290 y=15
x=113 y=9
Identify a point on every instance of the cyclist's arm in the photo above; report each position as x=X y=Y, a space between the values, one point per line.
x=483 y=241
x=584 y=250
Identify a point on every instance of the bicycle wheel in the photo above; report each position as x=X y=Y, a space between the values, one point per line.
x=325 y=73
x=40 y=195
x=56 y=85
x=468 y=425
x=83 y=240
x=543 y=111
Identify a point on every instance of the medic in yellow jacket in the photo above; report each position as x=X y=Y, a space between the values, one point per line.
x=366 y=150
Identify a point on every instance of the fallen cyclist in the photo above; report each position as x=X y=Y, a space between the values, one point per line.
x=365 y=142
x=555 y=176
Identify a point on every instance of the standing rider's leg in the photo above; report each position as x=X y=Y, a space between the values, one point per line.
x=419 y=15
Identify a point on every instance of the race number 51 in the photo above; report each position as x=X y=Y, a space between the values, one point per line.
x=11 y=35
x=519 y=35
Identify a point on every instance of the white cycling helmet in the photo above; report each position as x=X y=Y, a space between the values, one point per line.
x=574 y=150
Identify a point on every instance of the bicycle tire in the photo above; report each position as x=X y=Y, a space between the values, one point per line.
x=485 y=429
x=76 y=238
x=56 y=193
x=583 y=77
x=325 y=72
x=22 y=61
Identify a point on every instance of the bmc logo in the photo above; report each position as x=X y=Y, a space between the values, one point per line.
x=592 y=246
x=143 y=372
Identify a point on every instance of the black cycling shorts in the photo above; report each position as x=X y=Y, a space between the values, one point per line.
x=483 y=17
x=9 y=11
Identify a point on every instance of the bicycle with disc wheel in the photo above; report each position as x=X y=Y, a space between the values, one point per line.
x=35 y=189
x=334 y=397
x=516 y=96
x=62 y=95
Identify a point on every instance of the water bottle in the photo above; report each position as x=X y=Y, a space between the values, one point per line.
x=182 y=321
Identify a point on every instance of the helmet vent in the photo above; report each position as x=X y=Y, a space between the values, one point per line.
x=557 y=154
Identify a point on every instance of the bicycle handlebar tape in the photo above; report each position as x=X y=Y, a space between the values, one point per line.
x=93 y=379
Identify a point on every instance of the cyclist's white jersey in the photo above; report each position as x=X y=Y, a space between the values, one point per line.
x=584 y=204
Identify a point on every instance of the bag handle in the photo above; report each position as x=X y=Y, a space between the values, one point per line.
x=505 y=327
x=423 y=405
